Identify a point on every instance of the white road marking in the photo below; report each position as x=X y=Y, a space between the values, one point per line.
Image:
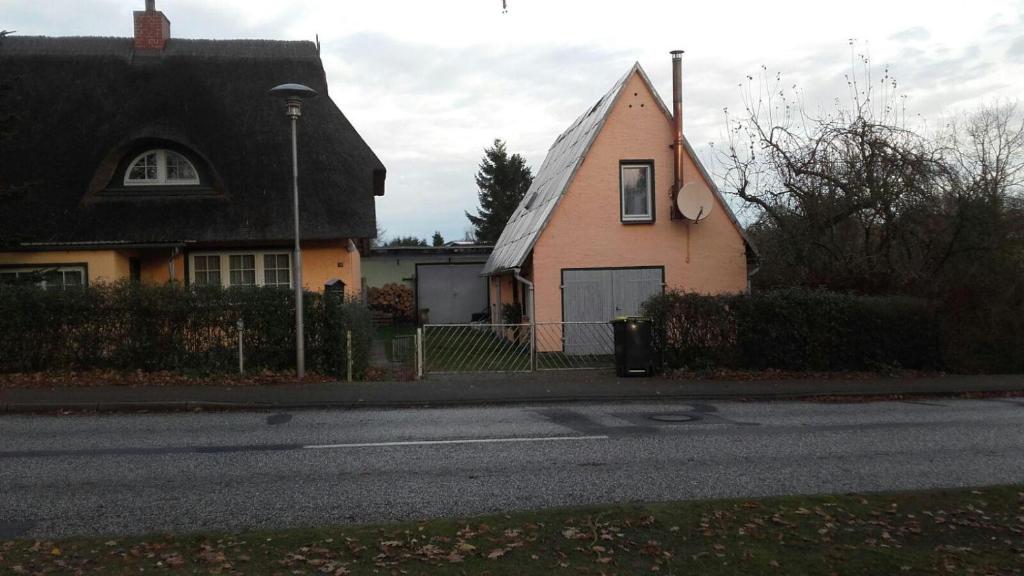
x=442 y=442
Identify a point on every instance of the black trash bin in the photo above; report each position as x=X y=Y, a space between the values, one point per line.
x=634 y=346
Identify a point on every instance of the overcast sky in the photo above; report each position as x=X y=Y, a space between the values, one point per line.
x=430 y=83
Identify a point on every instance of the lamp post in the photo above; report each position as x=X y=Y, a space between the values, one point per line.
x=293 y=95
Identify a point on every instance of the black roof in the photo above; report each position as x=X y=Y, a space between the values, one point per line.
x=73 y=109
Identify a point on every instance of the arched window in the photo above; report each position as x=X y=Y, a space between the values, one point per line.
x=160 y=168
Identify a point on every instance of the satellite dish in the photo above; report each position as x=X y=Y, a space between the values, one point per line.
x=694 y=201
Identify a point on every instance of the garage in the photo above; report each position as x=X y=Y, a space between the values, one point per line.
x=451 y=293
x=600 y=295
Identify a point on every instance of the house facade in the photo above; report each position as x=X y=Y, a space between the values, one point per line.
x=599 y=231
x=160 y=159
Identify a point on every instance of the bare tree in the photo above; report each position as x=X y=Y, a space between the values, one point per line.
x=984 y=206
x=836 y=191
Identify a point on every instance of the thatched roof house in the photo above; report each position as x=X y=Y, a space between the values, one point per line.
x=150 y=145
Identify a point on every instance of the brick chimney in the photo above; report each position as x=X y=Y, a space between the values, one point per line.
x=152 y=28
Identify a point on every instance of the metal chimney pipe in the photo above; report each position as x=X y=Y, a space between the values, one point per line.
x=677 y=117
x=150 y=5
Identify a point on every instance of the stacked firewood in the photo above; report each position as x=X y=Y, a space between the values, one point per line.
x=394 y=299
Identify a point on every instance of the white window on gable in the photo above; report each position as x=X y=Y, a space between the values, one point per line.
x=637 y=184
x=161 y=168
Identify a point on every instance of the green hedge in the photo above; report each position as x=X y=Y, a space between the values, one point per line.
x=129 y=326
x=794 y=329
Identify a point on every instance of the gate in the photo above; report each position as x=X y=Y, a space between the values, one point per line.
x=455 y=348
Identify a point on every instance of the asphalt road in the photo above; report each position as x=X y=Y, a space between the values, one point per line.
x=131 y=474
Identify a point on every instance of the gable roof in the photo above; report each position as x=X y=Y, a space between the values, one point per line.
x=70 y=108
x=556 y=174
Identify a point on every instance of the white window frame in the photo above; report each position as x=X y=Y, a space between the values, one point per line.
x=287 y=269
x=195 y=269
x=241 y=271
x=225 y=265
x=649 y=215
x=62 y=269
x=161 y=170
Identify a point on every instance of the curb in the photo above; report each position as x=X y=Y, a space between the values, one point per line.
x=203 y=405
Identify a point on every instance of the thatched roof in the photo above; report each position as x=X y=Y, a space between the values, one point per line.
x=73 y=109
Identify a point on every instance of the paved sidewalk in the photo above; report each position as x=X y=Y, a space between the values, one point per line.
x=595 y=386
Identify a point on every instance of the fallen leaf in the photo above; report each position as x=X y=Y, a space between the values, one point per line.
x=465 y=547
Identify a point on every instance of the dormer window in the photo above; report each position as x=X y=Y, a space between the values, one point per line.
x=161 y=168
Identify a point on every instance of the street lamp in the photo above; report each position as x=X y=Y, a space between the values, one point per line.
x=293 y=95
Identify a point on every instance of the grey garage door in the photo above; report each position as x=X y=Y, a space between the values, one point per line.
x=451 y=292
x=600 y=295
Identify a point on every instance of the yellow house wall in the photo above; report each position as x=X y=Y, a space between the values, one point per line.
x=585 y=230
x=322 y=261
x=153 y=267
x=102 y=266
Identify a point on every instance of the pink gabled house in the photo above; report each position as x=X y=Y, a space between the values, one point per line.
x=599 y=230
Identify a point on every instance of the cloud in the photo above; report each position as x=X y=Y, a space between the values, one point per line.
x=915 y=34
x=429 y=112
x=1016 y=51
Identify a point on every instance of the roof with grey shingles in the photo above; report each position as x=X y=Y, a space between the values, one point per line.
x=73 y=108
x=556 y=173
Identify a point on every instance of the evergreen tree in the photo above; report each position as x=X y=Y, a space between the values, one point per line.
x=503 y=181
x=438 y=240
x=405 y=241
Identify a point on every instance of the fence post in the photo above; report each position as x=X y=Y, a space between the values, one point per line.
x=241 y=350
x=348 y=354
x=419 y=353
x=533 y=345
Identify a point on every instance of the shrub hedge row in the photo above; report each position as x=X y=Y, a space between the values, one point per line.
x=128 y=326
x=795 y=329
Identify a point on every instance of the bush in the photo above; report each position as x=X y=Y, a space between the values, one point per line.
x=983 y=330
x=129 y=326
x=794 y=329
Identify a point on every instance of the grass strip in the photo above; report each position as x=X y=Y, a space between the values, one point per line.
x=962 y=531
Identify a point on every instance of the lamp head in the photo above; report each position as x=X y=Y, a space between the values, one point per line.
x=293 y=95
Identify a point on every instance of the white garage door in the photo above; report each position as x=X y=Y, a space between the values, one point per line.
x=601 y=295
x=451 y=292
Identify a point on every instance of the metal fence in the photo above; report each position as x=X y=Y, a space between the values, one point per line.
x=446 y=348
x=403 y=348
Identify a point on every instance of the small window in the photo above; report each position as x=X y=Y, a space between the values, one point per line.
x=243 y=269
x=637 y=202
x=276 y=271
x=207 y=270
x=161 y=168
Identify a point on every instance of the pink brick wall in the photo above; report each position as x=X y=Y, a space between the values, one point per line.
x=585 y=230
